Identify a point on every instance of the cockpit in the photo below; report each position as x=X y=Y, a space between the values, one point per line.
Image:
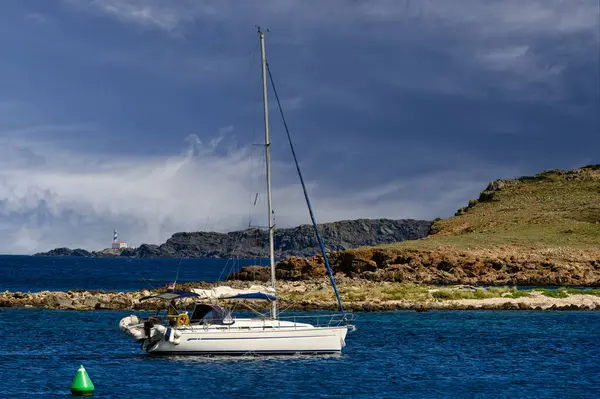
x=202 y=314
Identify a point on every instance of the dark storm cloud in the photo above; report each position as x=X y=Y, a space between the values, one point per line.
x=398 y=108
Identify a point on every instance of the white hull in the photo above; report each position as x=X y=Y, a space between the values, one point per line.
x=245 y=336
x=316 y=340
x=249 y=336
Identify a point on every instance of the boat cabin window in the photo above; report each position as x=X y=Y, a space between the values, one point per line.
x=199 y=312
x=212 y=314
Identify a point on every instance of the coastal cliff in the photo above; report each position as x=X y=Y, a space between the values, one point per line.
x=533 y=230
x=541 y=230
x=253 y=243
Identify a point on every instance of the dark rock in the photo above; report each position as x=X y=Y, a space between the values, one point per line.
x=253 y=243
x=421 y=308
x=129 y=251
x=65 y=252
x=298 y=241
x=147 y=251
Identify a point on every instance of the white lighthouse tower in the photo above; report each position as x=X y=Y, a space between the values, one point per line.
x=116 y=244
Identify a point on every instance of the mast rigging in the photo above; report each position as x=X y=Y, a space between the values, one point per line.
x=263 y=57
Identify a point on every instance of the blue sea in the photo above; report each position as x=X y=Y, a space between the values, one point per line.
x=34 y=274
x=401 y=354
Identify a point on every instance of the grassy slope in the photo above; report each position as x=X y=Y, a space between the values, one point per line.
x=557 y=210
x=539 y=230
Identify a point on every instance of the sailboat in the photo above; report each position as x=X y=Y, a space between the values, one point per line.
x=212 y=328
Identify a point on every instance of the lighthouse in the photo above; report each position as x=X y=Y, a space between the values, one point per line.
x=116 y=244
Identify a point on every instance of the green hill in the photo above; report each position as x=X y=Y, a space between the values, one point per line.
x=534 y=230
x=556 y=209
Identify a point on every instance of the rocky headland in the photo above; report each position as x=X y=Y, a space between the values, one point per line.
x=105 y=253
x=541 y=230
x=252 y=243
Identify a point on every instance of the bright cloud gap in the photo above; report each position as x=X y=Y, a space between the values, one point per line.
x=62 y=198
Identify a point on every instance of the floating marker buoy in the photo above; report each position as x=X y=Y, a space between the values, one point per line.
x=82 y=385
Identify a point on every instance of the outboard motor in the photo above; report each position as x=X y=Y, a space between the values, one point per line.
x=148 y=324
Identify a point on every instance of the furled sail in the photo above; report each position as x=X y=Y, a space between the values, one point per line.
x=171 y=295
x=255 y=292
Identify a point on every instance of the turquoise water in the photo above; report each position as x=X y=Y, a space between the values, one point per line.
x=437 y=354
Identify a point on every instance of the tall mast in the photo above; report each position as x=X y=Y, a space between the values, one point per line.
x=263 y=57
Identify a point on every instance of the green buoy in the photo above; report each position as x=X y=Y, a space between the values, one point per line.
x=82 y=385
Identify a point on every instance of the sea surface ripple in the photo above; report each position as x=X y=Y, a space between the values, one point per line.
x=400 y=354
x=437 y=354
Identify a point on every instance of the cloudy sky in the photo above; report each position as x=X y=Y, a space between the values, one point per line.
x=142 y=114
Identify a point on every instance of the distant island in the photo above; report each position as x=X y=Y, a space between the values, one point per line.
x=253 y=243
x=533 y=231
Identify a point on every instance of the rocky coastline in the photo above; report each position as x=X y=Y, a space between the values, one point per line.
x=358 y=295
x=501 y=266
x=252 y=243
x=532 y=231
